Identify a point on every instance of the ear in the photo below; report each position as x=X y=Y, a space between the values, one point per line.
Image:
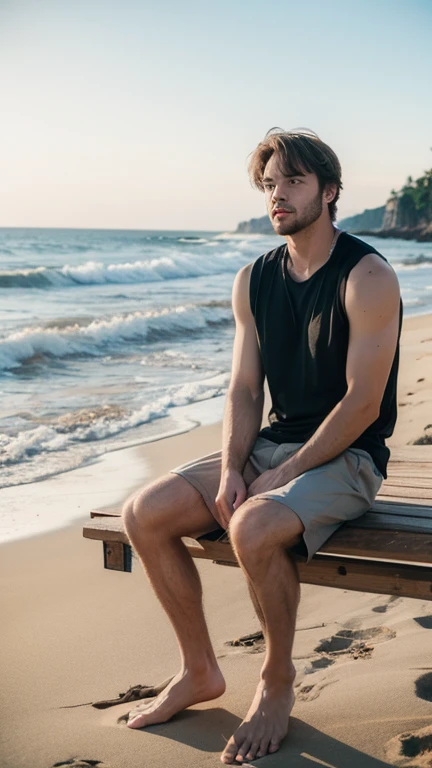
x=329 y=192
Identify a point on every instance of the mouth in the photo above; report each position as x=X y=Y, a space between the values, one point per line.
x=278 y=213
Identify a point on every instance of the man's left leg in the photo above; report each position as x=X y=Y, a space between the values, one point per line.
x=260 y=531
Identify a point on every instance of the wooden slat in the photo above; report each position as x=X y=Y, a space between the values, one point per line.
x=412 y=453
x=371 y=543
x=360 y=575
x=393 y=522
x=386 y=507
x=409 y=466
x=397 y=499
x=411 y=470
x=402 y=481
x=104 y=513
x=105 y=529
x=409 y=492
x=343 y=573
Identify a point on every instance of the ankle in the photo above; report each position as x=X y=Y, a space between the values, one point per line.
x=275 y=678
x=200 y=668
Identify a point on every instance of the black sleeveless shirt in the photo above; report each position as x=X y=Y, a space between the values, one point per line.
x=303 y=333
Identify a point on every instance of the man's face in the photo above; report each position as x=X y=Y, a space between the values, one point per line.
x=293 y=202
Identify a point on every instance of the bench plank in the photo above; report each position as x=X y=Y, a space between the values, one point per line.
x=350 y=540
x=409 y=492
x=388 y=550
x=387 y=507
x=393 y=522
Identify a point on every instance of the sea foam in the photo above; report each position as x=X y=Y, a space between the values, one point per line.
x=99 y=336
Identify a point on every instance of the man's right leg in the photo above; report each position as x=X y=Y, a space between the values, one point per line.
x=155 y=520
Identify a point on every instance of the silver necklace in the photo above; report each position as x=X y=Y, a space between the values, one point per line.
x=332 y=247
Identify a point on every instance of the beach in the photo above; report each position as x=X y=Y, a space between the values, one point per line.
x=75 y=633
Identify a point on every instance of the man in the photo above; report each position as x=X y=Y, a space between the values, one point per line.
x=320 y=317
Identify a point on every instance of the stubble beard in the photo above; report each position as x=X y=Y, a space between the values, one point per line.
x=297 y=224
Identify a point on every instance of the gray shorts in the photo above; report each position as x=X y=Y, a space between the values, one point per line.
x=323 y=498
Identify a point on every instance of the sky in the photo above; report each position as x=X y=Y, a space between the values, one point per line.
x=141 y=114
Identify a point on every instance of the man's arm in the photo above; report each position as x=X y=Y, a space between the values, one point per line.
x=244 y=400
x=372 y=303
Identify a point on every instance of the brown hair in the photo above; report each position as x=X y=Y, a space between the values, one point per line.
x=300 y=150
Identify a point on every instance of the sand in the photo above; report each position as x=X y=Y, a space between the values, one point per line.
x=73 y=633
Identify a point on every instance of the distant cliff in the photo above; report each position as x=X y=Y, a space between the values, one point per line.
x=261 y=226
x=407 y=214
x=371 y=219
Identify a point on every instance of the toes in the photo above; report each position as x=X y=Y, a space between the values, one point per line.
x=230 y=752
x=246 y=747
x=253 y=749
x=135 y=720
x=138 y=710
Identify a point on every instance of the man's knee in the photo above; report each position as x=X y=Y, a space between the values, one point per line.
x=259 y=526
x=150 y=508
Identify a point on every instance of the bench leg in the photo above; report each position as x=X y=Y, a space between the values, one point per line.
x=117 y=556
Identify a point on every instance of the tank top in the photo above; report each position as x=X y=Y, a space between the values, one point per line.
x=303 y=333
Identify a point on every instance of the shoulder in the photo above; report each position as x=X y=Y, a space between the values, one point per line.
x=372 y=269
x=372 y=290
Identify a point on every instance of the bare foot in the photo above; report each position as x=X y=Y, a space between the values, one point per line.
x=184 y=690
x=264 y=726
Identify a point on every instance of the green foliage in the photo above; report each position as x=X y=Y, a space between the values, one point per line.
x=418 y=194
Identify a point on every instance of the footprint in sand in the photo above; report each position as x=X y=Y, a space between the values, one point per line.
x=411 y=749
x=322 y=663
x=424 y=621
x=354 y=641
x=311 y=692
x=423 y=686
x=391 y=602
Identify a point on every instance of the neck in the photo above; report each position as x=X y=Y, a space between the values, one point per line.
x=310 y=248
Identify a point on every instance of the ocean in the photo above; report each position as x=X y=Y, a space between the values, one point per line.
x=114 y=338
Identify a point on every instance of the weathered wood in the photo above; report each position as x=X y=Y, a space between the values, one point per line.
x=104 y=513
x=408 y=492
x=360 y=575
x=117 y=556
x=415 y=481
x=386 y=551
x=105 y=529
x=382 y=544
x=411 y=453
x=393 y=522
x=386 y=578
x=386 y=507
x=397 y=499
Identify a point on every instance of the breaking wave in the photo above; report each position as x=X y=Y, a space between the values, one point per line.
x=101 y=336
x=144 y=271
x=94 y=424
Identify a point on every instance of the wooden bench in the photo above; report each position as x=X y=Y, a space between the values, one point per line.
x=388 y=550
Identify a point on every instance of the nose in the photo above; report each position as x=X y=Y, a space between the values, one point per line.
x=278 y=194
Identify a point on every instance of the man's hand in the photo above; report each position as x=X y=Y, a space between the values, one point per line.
x=272 y=478
x=232 y=492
